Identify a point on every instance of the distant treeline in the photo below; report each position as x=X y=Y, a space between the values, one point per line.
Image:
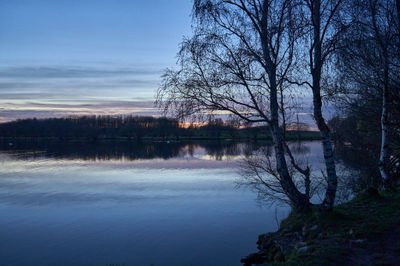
x=132 y=127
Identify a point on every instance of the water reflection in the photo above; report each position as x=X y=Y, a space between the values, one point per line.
x=132 y=150
x=363 y=165
x=129 y=203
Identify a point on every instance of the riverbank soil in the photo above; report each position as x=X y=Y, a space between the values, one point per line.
x=364 y=231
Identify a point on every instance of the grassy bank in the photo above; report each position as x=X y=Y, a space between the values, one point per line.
x=364 y=231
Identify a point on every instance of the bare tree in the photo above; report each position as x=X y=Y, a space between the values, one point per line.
x=259 y=173
x=383 y=20
x=321 y=19
x=320 y=49
x=237 y=62
x=370 y=62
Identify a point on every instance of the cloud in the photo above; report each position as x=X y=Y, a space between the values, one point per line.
x=56 y=91
x=55 y=72
x=78 y=89
x=94 y=105
x=28 y=95
x=13 y=111
x=62 y=90
x=33 y=87
x=309 y=114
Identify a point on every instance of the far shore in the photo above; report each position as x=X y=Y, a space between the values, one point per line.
x=291 y=136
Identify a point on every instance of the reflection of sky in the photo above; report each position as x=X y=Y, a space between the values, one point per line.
x=185 y=210
x=179 y=211
x=83 y=57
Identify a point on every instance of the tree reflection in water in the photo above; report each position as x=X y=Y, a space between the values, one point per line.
x=126 y=150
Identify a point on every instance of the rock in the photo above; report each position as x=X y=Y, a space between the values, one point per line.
x=264 y=242
x=255 y=258
x=315 y=227
x=300 y=244
x=304 y=231
x=302 y=249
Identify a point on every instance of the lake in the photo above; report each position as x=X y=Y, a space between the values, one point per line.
x=126 y=203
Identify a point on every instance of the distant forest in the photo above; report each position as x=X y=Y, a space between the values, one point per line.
x=135 y=127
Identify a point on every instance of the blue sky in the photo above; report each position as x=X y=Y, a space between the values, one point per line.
x=61 y=57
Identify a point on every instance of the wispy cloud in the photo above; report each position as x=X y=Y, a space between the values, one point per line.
x=34 y=72
x=55 y=91
x=12 y=111
x=47 y=91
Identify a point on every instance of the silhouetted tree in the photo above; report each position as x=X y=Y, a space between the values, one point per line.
x=321 y=16
x=370 y=73
x=237 y=61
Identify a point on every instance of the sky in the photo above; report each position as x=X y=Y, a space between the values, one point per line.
x=60 y=58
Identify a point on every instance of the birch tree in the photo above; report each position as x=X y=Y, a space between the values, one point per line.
x=370 y=59
x=323 y=42
x=237 y=62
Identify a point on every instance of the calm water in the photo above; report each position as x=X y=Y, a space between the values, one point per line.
x=129 y=204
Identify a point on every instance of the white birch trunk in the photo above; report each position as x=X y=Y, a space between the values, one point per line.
x=383 y=158
x=316 y=70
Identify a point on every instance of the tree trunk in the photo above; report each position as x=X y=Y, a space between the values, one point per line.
x=398 y=23
x=298 y=200
x=316 y=70
x=383 y=157
x=330 y=193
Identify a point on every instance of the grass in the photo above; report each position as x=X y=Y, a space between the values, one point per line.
x=330 y=236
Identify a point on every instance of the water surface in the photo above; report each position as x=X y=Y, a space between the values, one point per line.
x=129 y=204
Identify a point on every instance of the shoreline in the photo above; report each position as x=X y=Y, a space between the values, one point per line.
x=291 y=136
x=363 y=231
